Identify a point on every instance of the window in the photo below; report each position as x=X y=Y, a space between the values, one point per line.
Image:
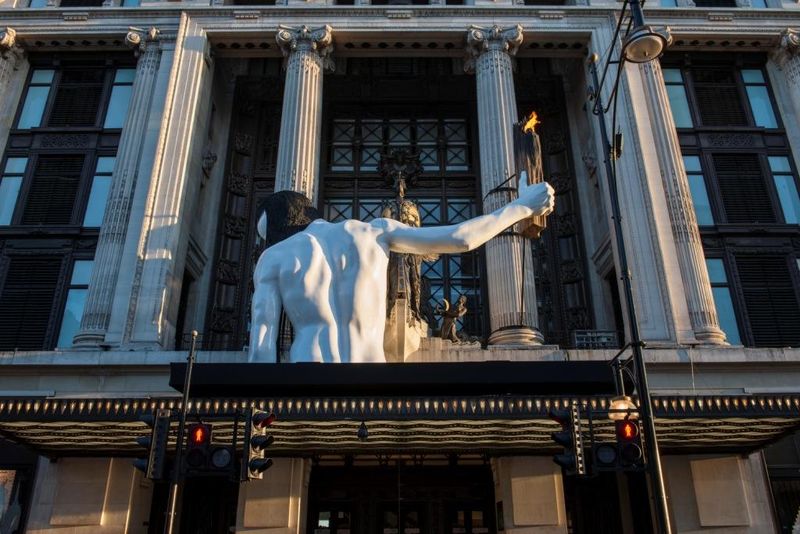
x=786 y=186
x=72 y=96
x=770 y=299
x=354 y=190
x=120 y=98
x=75 y=302
x=54 y=185
x=36 y=99
x=98 y=195
x=758 y=96
x=745 y=191
x=358 y=145
x=26 y=301
x=676 y=92
x=723 y=300
x=697 y=186
x=10 y=183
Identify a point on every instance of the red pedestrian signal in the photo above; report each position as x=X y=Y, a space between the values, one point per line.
x=199 y=434
x=627 y=430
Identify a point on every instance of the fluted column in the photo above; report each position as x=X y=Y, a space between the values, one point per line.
x=509 y=263
x=307 y=55
x=685 y=233
x=108 y=256
x=13 y=70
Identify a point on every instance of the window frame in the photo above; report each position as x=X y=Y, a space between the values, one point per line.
x=70 y=241
x=110 y=67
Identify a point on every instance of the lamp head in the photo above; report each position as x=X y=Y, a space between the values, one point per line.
x=644 y=44
x=623 y=407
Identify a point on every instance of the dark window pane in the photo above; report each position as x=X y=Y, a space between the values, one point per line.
x=772 y=307
x=26 y=302
x=718 y=98
x=743 y=188
x=77 y=98
x=51 y=198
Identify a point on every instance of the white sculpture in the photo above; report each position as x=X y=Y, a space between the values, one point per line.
x=331 y=278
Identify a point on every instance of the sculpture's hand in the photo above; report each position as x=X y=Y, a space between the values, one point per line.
x=538 y=197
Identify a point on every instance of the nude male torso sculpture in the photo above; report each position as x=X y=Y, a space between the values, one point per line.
x=331 y=278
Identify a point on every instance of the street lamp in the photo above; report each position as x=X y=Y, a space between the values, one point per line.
x=640 y=44
x=643 y=43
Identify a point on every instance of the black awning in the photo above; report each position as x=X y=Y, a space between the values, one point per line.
x=473 y=424
x=467 y=378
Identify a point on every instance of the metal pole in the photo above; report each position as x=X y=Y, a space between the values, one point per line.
x=172 y=504
x=656 y=476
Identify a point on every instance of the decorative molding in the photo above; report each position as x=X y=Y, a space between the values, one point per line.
x=399 y=13
x=320 y=40
x=8 y=40
x=720 y=17
x=76 y=17
x=137 y=39
x=246 y=15
x=790 y=41
x=481 y=40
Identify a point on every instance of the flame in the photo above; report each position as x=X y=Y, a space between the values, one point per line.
x=531 y=122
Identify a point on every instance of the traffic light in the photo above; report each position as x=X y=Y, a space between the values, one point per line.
x=156 y=443
x=625 y=454
x=256 y=440
x=629 y=444
x=570 y=437
x=203 y=458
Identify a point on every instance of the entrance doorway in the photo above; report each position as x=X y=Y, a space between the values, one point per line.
x=401 y=500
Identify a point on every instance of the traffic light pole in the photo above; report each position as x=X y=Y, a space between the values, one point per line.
x=172 y=504
x=656 y=476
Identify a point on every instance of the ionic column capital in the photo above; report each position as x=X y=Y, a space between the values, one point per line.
x=319 y=40
x=481 y=40
x=788 y=47
x=9 y=44
x=139 y=40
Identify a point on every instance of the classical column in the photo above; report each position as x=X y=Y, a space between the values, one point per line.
x=13 y=70
x=509 y=263
x=307 y=54
x=108 y=257
x=685 y=233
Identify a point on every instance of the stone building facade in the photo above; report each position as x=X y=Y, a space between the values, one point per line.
x=139 y=137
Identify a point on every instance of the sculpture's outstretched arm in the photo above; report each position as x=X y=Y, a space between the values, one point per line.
x=265 y=321
x=534 y=199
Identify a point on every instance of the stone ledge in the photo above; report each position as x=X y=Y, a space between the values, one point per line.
x=432 y=350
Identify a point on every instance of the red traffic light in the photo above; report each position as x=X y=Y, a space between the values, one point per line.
x=199 y=435
x=627 y=430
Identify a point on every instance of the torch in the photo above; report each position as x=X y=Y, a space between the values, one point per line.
x=528 y=158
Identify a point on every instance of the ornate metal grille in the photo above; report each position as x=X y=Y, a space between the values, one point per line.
x=445 y=194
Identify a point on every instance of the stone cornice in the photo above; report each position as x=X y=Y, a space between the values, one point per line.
x=748 y=29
